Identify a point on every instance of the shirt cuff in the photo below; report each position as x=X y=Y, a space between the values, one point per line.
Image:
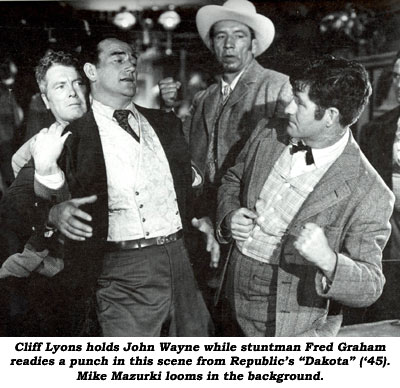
x=53 y=181
x=197 y=179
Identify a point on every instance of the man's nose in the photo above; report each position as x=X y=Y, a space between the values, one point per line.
x=290 y=108
x=130 y=63
x=229 y=41
x=72 y=91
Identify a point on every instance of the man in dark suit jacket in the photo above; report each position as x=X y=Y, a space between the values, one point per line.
x=129 y=173
x=380 y=142
x=309 y=219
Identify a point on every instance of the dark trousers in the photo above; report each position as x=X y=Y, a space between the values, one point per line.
x=150 y=292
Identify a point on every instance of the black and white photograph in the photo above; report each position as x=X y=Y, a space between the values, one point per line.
x=210 y=169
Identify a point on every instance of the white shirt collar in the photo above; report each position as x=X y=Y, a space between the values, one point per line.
x=329 y=154
x=233 y=84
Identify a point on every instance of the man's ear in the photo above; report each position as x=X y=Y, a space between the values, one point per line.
x=90 y=71
x=332 y=116
x=45 y=100
x=254 y=46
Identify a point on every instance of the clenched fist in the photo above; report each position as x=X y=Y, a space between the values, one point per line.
x=241 y=223
x=313 y=245
x=169 y=92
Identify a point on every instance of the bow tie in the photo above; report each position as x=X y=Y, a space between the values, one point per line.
x=302 y=147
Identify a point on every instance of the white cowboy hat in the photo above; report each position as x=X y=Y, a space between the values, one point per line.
x=239 y=10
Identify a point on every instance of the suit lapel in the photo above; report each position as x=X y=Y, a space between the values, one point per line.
x=211 y=106
x=267 y=154
x=240 y=91
x=333 y=187
x=244 y=85
x=86 y=156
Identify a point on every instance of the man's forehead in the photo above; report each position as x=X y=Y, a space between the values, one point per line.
x=230 y=24
x=58 y=72
x=112 y=45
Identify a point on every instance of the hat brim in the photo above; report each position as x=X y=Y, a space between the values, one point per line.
x=262 y=26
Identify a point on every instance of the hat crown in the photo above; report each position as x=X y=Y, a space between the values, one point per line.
x=240 y=6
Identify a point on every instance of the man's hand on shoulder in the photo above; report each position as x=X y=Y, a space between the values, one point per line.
x=46 y=148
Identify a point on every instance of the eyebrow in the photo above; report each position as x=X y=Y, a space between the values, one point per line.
x=66 y=81
x=117 y=53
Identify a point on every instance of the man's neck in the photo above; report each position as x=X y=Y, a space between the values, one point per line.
x=62 y=122
x=111 y=101
x=327 y=140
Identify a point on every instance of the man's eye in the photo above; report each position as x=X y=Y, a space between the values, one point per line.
x=58 y=87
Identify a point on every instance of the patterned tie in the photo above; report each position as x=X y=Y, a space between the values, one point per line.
x=121 y=115
x=302 y=147
x=212 y=147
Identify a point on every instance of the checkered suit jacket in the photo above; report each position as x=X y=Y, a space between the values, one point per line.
x=351 y=203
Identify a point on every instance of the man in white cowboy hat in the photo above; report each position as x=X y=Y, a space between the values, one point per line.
x=224 y=115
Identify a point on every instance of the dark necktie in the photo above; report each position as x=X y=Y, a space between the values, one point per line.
x=121 y=115
x=302 y=147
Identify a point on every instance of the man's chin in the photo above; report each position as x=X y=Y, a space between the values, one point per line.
x=75 y=115
x=130 y=92
x=291 y=129
x=230 y=67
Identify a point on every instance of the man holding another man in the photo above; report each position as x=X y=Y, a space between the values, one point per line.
x=130 y=167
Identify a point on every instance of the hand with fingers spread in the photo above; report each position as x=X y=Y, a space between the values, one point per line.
x=169 y=92
x=241 y=223
x=205 y=226
x=313 y=245
x=69 y=219
x=46 y=148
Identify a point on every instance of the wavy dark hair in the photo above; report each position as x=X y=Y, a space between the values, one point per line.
x=90 y=48
x=50 y=59
x=338 y=83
